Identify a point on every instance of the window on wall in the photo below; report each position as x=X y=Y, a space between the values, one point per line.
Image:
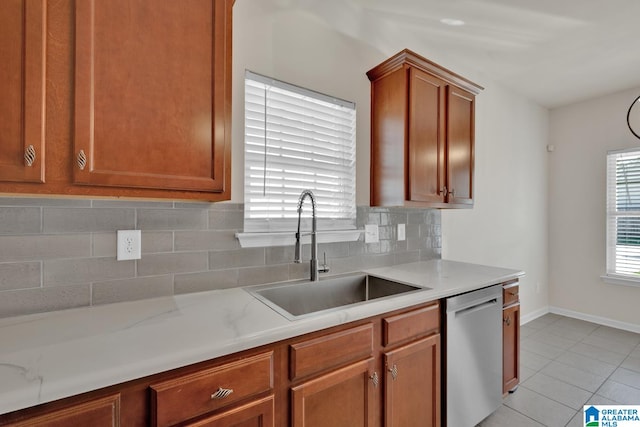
x=297 y=139
x=623 y=214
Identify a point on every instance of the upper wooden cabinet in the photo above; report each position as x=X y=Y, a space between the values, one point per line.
x=422 y=134
x=22 y=104
x=138 y=98
x=152 y=103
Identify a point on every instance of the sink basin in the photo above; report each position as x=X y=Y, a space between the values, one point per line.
x=303 y=298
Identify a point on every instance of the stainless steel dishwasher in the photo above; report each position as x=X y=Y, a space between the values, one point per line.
x=474 y=356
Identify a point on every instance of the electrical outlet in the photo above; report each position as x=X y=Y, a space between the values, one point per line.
x=129 y=244
x=371 y=233
x=401 y=232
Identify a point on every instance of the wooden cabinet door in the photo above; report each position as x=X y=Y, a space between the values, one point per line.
x=342 y=398
x=153 y=94
x=104 y=412
x=259 y=413
x=460 y=145
x=426 y=174
x=388 y=139
x=412 y=384
x=22 y=89
x=510 y=347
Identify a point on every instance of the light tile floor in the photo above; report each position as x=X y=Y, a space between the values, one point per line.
x=567 y=363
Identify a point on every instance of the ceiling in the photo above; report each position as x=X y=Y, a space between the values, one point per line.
x=555 y=52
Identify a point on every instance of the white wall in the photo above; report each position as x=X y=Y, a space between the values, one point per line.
x=508 y=223
x=507 y=226
x=582 y=134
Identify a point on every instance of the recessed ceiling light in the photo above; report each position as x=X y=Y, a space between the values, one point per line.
x=452 y=22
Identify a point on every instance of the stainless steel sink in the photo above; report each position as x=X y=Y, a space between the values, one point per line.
x=303 y=298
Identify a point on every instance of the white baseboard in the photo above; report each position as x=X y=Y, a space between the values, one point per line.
x=534 y=315
x=631 y=327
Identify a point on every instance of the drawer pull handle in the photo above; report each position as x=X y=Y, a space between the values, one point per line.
x=394 y=371
x=508 y=320
x=81 y=160
x=30 y=155
x=513 y=293
x=374 y=379
x=221 y=393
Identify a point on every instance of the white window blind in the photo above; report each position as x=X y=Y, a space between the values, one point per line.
x=297 y=139
x=623 y=214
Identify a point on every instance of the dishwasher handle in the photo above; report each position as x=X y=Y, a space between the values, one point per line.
x=474 y=298
x=477 y=307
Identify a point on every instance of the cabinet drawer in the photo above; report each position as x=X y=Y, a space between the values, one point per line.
x=332 y=350
x=510 y=294
x=408 y=325
x=182 y=398
x=103 y=412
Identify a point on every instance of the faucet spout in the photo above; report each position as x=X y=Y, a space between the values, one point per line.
x=313 y=263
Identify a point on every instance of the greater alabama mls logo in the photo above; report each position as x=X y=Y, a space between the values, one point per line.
x=591 y=417
x=612 y=416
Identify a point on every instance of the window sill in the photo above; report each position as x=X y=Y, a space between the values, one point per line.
x=288 y=238
x=621 y=280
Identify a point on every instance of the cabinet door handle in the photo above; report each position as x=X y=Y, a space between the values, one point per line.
x=29 y=155
x=508 y=320
x=221 y=393
x=452 y=193
x=81 y=160
x=443 y=191
x=374 y=379
x=394 y=371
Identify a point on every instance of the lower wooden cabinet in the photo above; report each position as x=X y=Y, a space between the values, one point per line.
x=260 y=413
x=102 y=412
x=412 y=368
x=510 y=338
x=362 y=380
x=412 y=384
x=341 y=398
x=384 y=370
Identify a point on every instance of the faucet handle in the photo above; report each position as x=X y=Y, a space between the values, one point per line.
x=296 y=256
x=324 y=268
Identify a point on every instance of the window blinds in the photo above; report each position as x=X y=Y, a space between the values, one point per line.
x=297 y=139
x=623 y=213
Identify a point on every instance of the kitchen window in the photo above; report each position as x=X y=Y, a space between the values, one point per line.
x=296 y=139
x=623 y=217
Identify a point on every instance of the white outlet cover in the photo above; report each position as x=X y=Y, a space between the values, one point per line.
x=129 y=245
x=371 y=233
x=402 y=235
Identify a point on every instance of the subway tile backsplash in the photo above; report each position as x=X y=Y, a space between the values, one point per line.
x=58 y=253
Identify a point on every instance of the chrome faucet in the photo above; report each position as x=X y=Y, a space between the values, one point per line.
x=313 y=262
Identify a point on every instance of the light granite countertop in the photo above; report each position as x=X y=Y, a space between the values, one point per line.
x=49 y=356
